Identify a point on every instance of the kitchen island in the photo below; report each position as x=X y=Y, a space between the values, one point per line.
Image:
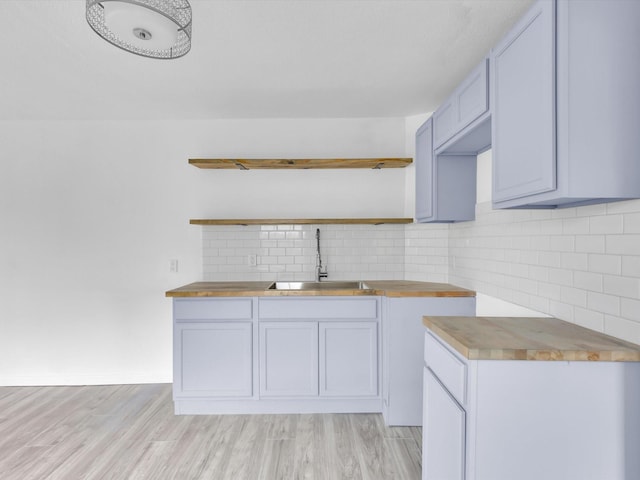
x=246 y=347
x=528 y=398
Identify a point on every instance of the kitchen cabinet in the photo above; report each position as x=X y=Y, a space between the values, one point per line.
x=288 y=358
x=264 y=351
x=277 y=354
x=348 y=359
x=424 y=169
x=446 y=148
x=444 y=435
x=467 y=102
x=565 y=106
x=493 y=418
x=213 y=345
x=333 y=341
x=445 y=184
x=403 y=352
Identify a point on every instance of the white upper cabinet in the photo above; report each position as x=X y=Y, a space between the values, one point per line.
x=524 y=150
x=446 y=148
x=467 y=102
x=566 y=105
x=424 y=172
x=445 y=184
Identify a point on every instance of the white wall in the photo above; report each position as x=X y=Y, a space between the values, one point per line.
x=92 y=212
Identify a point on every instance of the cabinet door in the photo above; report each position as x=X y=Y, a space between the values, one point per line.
x=348 y=359
x=472 y=96
x=424 y=172
x=213 y=359
x=524 y=107
x=288 y=359
x=444 y=122
x=443 y=433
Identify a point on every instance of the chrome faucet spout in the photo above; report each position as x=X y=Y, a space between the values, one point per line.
x=320 y=273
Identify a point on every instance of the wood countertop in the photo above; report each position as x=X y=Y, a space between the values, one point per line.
x=529 y=338
x=388 y=288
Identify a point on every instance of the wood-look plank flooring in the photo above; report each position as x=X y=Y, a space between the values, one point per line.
x=130 y=432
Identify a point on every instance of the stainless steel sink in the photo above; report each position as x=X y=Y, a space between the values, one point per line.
x=319 y=286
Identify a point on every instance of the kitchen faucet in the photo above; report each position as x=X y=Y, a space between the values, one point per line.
x=320 y=273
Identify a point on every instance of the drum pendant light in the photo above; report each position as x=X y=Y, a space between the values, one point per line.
x=151 y=28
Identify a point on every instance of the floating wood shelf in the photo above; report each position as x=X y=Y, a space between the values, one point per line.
x=299 y=221
x=299 y=163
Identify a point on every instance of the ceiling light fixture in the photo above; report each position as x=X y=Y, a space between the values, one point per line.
x=151 y=28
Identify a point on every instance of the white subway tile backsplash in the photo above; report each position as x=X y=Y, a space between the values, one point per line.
x=623 y=244
x=590 y=243
x=630 y=308
x=575 y=226
x=588 y=281
x=289 y=251
x=591 y=210
x=631 y=266
x=600 y=302
x=563 y=243
x=573 y=296
x=624 y=206
x=561 y=310
x=605 y=263
x=632 y=223
x=622 y=286
x=622 y=328
x=606 y=224
x=574 y=261
x=588 y=318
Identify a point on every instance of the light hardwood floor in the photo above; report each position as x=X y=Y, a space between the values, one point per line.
x=130 y=432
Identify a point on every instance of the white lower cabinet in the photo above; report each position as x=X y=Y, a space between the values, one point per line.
x=528 y=420
x=403 y=352
x=288 y=359
x=326 y=359
x=348 y=359
x=444 y=438
x=277 y=355
x=215 y=359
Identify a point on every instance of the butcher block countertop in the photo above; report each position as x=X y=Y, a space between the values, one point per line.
x=388 y=288
x=529 y=338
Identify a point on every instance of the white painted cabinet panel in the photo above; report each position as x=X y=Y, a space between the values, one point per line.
x=529 y=420
x=348 y=358
x=467 y=103
x=443 y=434
x=288 y=359
x=565 y=105
x=524 y=110
x=403 y=352
x=205 y=309
x=424 y=171
x=318 y=308
x=214 y=359
x=445 y=184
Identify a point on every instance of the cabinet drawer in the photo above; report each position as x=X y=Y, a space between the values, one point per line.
x=208 y=309
x=318 y=308
x=451 y=371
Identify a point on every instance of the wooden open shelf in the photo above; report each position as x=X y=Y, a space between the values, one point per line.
x=299 y=163
x=300 y=221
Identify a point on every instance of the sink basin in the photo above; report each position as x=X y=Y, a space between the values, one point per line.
x=319 y=286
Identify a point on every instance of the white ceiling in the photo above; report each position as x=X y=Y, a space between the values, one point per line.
x=250 y=59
